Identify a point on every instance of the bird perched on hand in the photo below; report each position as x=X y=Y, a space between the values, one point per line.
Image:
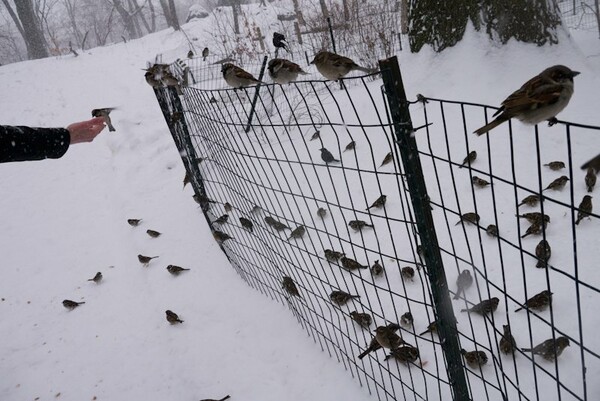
x=221 y=219
x=289 y=286
x=358 y=225
x=406 y=354
x=134 y=222
x=205 y=53
x=558 y=183
x=585 y=208
x=172 y=317
x=327 y=157
x=535 y=217
x=377 y=269
x=484 y=307
x=470 y=217
x=590 y=179
x=407 y=319
x=146 y=259
x=550 y=349
x=463 y=282
x=543 y=253
x=175 y=270
x=220 y=236
x=479 y=182
x=297 y=232
x=474 y=358
x=470 y=158
x=507 y=343
x=321 y=212
x=351 y=264
x=534 y=229
x=363 y=319
x=237 y=77
x=333 y=66
x=379 y=202
x=350 y=146
x=407 y=273
x=105 y=113
x=593 y=163
x=555 y=165
x=492 y=230
x=531 y=200
x=97 y=278
x=341 y=297
x=153 y=234
x=333 y=256
x=279 y=41
x=539 y=99
x=374 y=345
x=67 y=303
x=538 y=302
x=388 y=338
x=247 y=224
x=387 y=159
x=284 y=71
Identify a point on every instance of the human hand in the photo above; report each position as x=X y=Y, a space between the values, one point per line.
x=86 y=131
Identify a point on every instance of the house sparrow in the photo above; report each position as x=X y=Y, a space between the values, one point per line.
x=363 y=319
x=284 y=71
x=471 y=157
x=236 y=77
x=256 y=209
x=388 y=338
x=593 y=163
x=172 y=317
x=538 y=302
x=387 y=159
x=134 y=222
x=321 y=212
x=474 y=358
x=175 y=270
x=549 y=349
x=170 y=80
x=221 y=219
x=333 y=256
x=289 y=286
x=379 y=202
x=97 y=278
x=341 y=297
x=277 y=225
x=190 y=54
x=350 y=146
x=153 y=234
x=558 y=183
x=463 y=282
x=327 y=157
x=279 y=41
x=535 y=217
x=186 y=179
x=333 y=66
x=543 y=253
x=67 y=303
x=484 y=307
x=406 y=354
x=556 y=165
x=146 y=259
x=316 y=135
x=407 y=273
x=358 y=225
x=507 y=343
x=227 y=206
x=152 y=78
x=297 y=233
x=534 y=229
x=492 y=230
x=432 y=328
x=351 y=264
x=531 y=200
x=541 y=98
x=205 y=53
x=247 y=224
x=377 y=269
x=590 y=179
x=374 y=344
x=585 y=208
x=470 y=217
x=227 y=396
x=479 y=182
x=204 y=201
x=407 y=319
x=220 y=236
x=105 y=113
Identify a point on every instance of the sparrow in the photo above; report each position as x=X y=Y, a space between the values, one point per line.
x=531 y=200
x=289 y=286
x=169 y=80
x=97 y=278
x=276 y=224
x=204 y=201
x=246 y=223
x=593 y=163
x=67 y=303
x=406 y=354
x=297 y=233
x=333 y=66
x=407 y=272
x=256 y=209
x=236 y=77
x=321 y=212
x=228 y=207
x=146 y=259
x=190 y=54
x=333 y=256
x=590 y=179
x=474 y=358
x=470 y=217
x=186 y=179
x=205 y=54
x=221 y=219
x=105 y=113
x=543 y=253
x=316 y=135
x=327 y=157
x=379 y=202
x=549 y=349
x=284 y=71
x=535 y=217
x=152 y=78
x=432 y=328
x=134 y=222
x=479 y=182
x=350 y=146
x=227 y=396
x=534 y=229
x=388 y=338
x=556 y=165
x=377 y=269
x=538 y=302
x=172 y=317
x=507 y=343
x=351 y=264
x=341 y=297
x=469 y=159
x=220 y=236
x=407 y=319
x=279 y=41
x=484 y=307
x=492 y=230
x=463 y=282
x=363 y=319
x=153 y=234
x=374 y=345
x=175 y=270
x=541 y=98
x=585 y=208
x=387 y=159
x=558 y=183
x=358 y=225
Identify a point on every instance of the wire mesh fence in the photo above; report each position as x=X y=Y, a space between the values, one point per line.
x=320 y=200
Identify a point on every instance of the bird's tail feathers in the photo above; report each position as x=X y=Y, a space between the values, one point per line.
x=488 y=127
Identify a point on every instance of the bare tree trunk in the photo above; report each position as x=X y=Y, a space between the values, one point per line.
x=174 y=15
x=139 y=12
x=29 y=27
x=70 y=7
x=152 y=16
x=166 y=12
x=133 y=14
x=126 y=18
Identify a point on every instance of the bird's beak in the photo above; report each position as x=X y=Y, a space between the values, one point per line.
x=574 y=74
x=312 y=62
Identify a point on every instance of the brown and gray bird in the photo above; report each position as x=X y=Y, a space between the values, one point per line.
x=341 y=297
x=134 y=222
x=492 y=230
x=105 y=113
x=67 y=303
x=175 y=270
x=333 y=256
x=221 y=219
x=471 y=157
x=374 y=345
x=327 y=157
x=388 y=338
x=407 y=319
x=237 y=77
x=350 y=146
x=408 y=273
x=558 y=183
x=316 y=135
x=534 y=229
x=321 y=212
x=220 y=236
x=152 y=78
x=256 y=209
x=351 y=264
x=474 y=358
x=463 y=282
x=406 y=354
x=585 y=208
x=531 y=200
x=227 y=396
x=555 y=166
x=146 y=259
x=228 y=207
x=363 y=319
x=284 y=71
x=539 y=99
x=358 y=225
x=247 y=224
x=484 y=307
x=590 y=179
x=377 y=269
x=543 y=253
x=479 y=182
x=469 y=217
x=593 y=163
x=289 y=286
x=333 y=66
x=153 y=234
x=190 y=54
x=535 y=217
x=186 y=179
x=169 y=80
x=431 y=328
x=549 y=349
x=297 y=233
x=387 y=159
x=379 y=202
x=507 y=343
x=538 y=302
x=277 y=225
x=205 y=53
x=172 y=317
x=97 y=278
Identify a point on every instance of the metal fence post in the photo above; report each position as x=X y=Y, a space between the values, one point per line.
x=255 y=99
x=407 y=146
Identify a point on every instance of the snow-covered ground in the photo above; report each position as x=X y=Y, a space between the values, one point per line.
x=64 y=220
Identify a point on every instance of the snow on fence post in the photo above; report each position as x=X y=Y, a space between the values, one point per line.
x=407 y=146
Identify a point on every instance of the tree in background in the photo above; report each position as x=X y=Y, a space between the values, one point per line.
x=29 y=27
x=170 y=13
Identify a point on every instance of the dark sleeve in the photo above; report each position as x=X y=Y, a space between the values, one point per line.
x=26 y=143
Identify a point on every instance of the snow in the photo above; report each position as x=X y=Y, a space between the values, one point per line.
x=64 y=220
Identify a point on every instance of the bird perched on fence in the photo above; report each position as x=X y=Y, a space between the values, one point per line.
x=593 y=163
x=350 y=146
x=363 y=319
x=539 y=99
x=175 y=270
x=333 y=66
x=479 y=182
x=406 y=354
x=279 y=41
x=474 y=358
x=316 y=135
x=549 y=349
x=146 y=259
x=227 y=206
x=169 y=80
x=247 y=224
x=538 y=302
x=379 y=202
x=237 y=77
x=351 y=264
x=341 y=297
x=289 y=286
x=377 y=269
x=67 y=303
x=221 y=219
x=463 y=282
x=535 y=217
x=469 y=217
x=585 y=208
x=220 y=236
x=531 y=200
x=558 y=183
x=543 y=253
x=333 y=256
x=407 y=272
x=388 y=338
x=358 y=225
x=297 y=233
x=492 y=230
x=484 y=307
x=327 y=157
x=534 y=229
x=277 y=225
x=134 y=222
x=190 y=54
x=152 y=77
x=507 y=343
x=321 y=212
x=205 y=53
x=387 y=159
x=431 y=328
x=105 y=114
x=284 y=71
x=590 y=179
x=153 y=233
x=470 y=158
x=97 y=278
x=374 y=345
x=555 y=165
x=172 y=317
x=407 y=319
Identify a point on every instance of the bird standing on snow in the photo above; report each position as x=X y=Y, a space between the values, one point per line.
x=97 y=278
x=172 y=317
x=585 y=208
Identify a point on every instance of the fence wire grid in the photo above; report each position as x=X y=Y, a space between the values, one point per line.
x=255 y=162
